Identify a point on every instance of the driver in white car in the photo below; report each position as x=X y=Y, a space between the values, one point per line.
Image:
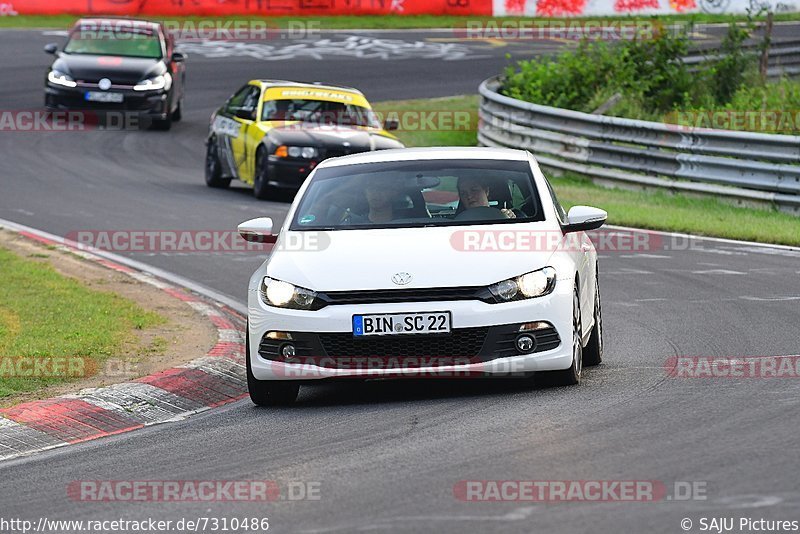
x=474 y=193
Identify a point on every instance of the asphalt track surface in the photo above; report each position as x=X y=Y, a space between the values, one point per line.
x=387 y=455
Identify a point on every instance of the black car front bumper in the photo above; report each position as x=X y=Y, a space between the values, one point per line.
x=288 y=173
x=461 y=346
x=152 y=104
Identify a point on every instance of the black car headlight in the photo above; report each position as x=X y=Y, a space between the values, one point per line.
x=56 y=77
x=285 y=295
x=527 y=286
x=156 y=83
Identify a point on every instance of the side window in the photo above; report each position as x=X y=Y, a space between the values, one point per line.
x=170 y=44
x=562 y=215
x=244 y=98
x=251 y=99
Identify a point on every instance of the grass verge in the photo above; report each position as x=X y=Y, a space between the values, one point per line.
x=656 y=211
x=47 y=316
x=384 y=21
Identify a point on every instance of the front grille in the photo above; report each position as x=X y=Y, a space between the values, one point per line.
x=336 y=152
x=407 y=295
x=461 y=346
x=459 y=343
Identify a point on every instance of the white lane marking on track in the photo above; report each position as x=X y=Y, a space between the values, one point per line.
x=770 y=299
x=769 y=251
x=148 y=279
x=627 y=271
x=646 y=256
x=749 y=501
x=721 y=252
x=718 y=271
x=518 y=514
x=753 y=244
x=352 y=46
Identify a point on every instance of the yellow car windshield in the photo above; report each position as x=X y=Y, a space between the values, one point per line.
x=319 y=112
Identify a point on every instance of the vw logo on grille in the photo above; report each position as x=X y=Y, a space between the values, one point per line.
x=104 y=84
x=401 y=279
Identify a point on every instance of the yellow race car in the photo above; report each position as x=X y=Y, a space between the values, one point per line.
x=271 y=134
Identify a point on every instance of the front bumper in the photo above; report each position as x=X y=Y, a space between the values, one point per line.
x=288 y=173
x=481 y=342
x=153 y=104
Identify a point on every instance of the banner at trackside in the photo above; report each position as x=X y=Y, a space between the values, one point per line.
x=273 y=8
x=300 y=8
x=601 y=8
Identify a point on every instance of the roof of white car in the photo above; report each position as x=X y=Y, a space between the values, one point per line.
x=408 y=154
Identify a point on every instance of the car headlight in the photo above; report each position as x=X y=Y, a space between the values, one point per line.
x=163 y=81
x=305 y=152
x=285 y=295
x=57 y=77
x=529 y=285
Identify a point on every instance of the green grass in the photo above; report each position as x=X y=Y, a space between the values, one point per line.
x=450 y=121
x=656 y=211
x=680 y=213
x=382 y=21
x=46 y=315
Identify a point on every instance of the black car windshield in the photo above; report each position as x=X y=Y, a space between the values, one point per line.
x=117 y=41
x=319 y=112
x=400 y=194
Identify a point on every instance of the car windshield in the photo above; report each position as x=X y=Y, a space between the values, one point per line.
x=401 y=194
x=119 y=41
x=319 y=112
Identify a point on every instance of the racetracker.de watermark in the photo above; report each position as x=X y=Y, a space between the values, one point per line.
x=785 y=121
x=193 y=490
x=308 y=367
x=38 y=367
x=71 y=121
x=733 y=367
x=573 y=30
x=201 y=30
x=194 y=241
x=510 y=240
x=553 y=491
x=403 y=120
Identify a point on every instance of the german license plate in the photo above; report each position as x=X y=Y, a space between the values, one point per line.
x=401 y=323
x=97 y=96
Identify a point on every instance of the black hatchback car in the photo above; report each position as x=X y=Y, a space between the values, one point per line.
x=121 y=65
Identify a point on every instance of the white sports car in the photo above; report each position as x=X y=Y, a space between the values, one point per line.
x=438 y=262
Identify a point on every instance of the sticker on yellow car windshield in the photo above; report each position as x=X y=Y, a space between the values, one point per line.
x=285 y=93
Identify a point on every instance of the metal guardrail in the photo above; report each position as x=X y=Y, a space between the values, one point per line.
x=753 y=168
x=783 y=57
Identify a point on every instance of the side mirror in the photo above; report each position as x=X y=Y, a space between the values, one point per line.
x=51 y=48
x=583 y=218
x=177 y=57
x=257 y=230
x=245 y=114
x=391 y=124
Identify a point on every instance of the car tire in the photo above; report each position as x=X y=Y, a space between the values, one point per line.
x=213 y=168
x=177 y=115
x=572 y=375
x=593 y=352
x=268 y=392
x=261 y=189
x=163 y=124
